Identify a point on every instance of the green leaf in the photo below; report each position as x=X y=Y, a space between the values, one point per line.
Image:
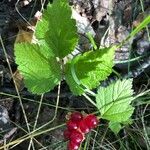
x=114 y=101
x=115 y=127
x=87 y=70
x=62 y=31
x=128 y=122
x=42 y=25
x=39 y=68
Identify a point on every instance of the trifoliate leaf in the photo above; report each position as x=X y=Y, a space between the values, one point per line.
x=87 y=70
x=39 y=68
x=115 y=127
x=62 y=31
x=114 y=101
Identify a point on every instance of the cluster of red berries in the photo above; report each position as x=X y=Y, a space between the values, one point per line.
x=77 y=126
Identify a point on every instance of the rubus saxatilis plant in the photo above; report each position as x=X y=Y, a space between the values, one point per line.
x=42 y=64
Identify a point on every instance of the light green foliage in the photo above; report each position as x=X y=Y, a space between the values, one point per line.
x=114 y=101
x=57 y=37
x=62 y=31
x=87 y=70
x=42 y=25
x=40 y=70
x=115 y=126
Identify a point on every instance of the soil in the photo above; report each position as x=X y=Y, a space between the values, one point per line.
x=119 y=15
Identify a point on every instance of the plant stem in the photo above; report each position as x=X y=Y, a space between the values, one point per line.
x=89 y=99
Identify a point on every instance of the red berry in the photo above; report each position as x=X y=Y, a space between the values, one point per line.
x=91 y=121
x=72 y=146
x=76 y=116
x=67 y=134
x=71 y=125
x=83 y=127
x=76 y=137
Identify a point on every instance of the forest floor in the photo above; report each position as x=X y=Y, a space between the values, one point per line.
x=110 y=22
